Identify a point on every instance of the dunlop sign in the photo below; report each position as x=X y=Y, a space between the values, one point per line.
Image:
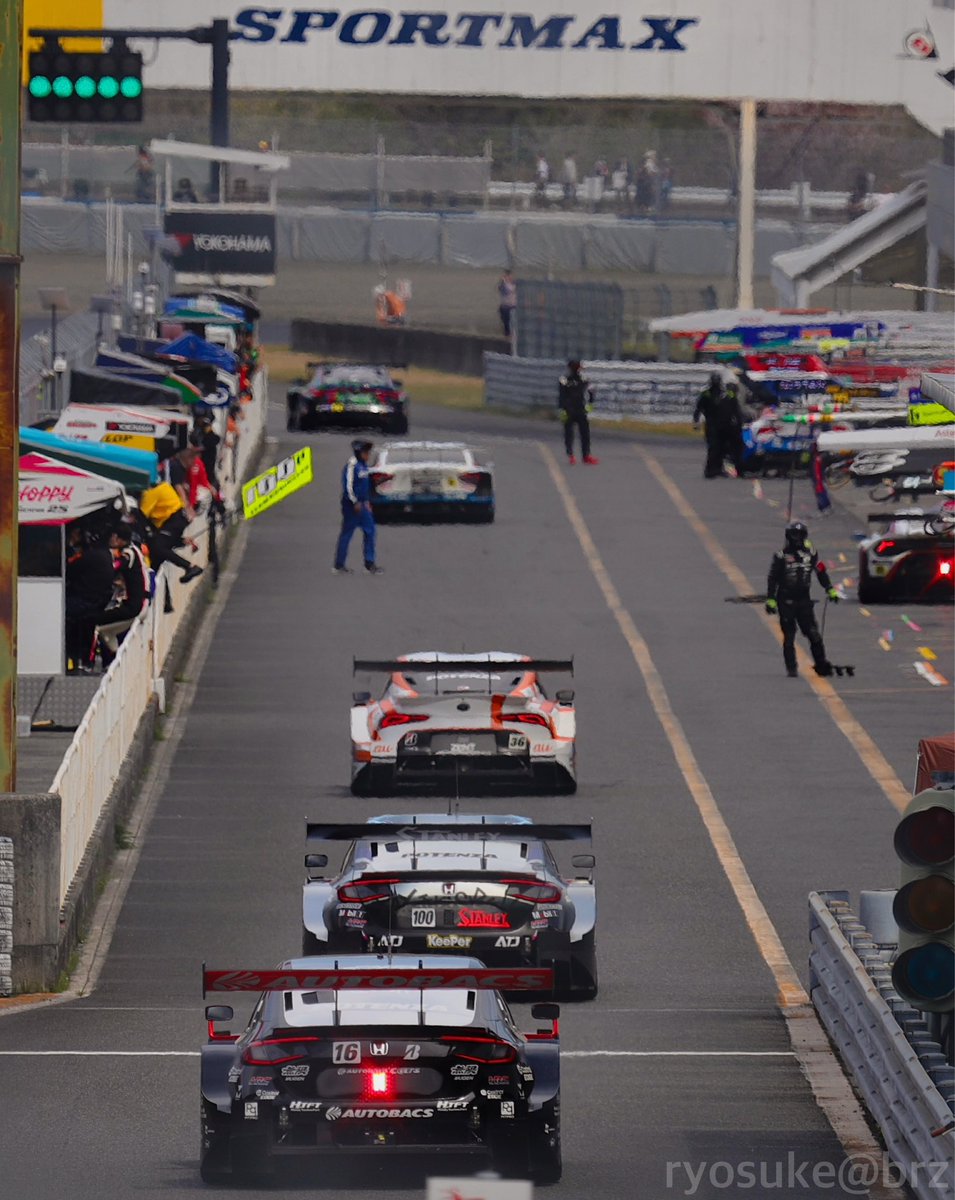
x=277 y=482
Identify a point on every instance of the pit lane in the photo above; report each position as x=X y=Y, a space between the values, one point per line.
x=702 y=1069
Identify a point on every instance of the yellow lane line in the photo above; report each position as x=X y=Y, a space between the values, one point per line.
x=869 y=753
x=790 y=992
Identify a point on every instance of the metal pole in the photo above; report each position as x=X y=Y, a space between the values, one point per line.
x=746 y=213
x=219 y=115
x=55 y=399
x=11 y=50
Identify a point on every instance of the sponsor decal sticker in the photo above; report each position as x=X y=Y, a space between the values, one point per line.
x=266 y=1093
x=448 y=941
x=251 y=1110
x=498 y=1079
x=334 y=1113
x=346 y=1052
x=464 y=1070
x=507 y=941
x=296 y=1071
x=507 y=1108
x=453 y=1105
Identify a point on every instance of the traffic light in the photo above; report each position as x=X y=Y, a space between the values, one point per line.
x=924 y=908
x=65 y=86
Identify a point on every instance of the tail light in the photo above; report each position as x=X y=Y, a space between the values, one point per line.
x=481 y=1050
x=365 y=892
x=527 y=719
x=474 y=477
x=379 y=1085
x=396 y=718
x=324 y=395
x=532 y=891
x=274 y=1051
x=945 y=568
x=884 y=546
x=380 y=477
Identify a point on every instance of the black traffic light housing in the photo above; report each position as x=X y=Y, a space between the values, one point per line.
x=75 y=86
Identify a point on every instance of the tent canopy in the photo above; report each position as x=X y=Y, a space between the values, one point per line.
x=193 y=348
x=131 y=468
x=88 y=385
x=52 y=492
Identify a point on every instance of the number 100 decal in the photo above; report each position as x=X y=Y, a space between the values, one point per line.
x=277 y=482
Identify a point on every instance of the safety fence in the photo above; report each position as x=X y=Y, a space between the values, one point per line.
x=647 y=391
x=695 y=247
x=6 y=916
x=43 y=389
x=898 y=1070
x=94 y=758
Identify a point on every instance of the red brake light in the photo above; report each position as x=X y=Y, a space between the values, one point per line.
x=274 y=1051
x=527 y=719
x=945 y=567
x=397 y=718
x=365 y=891
x=481 y=1050
x=472 y=918
x=883 y=546
x=532 y=891
x=380 y=477
x=474 y=477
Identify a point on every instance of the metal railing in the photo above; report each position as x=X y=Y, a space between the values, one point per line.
x=897 y=1069
x=95 y=756
x=645 y=391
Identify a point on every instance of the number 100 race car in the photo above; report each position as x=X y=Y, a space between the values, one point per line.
x=378 y=1056
x=486 y=886
x=463 y=722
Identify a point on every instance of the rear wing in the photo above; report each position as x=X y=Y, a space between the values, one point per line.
x=450 y=665
x=322 y=831
x=507 y=979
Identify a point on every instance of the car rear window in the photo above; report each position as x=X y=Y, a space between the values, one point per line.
x=368 y=1006
x=352 y=377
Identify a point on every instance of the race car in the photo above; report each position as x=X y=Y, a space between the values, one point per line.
x=463 y=722
x=348 y=395
x=373 y=1056
x=911 y=557
x=431 y=480
x=487 y=886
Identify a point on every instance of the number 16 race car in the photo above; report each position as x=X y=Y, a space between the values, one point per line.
x=486 y=886
x=376 y=1057
x=463 y=722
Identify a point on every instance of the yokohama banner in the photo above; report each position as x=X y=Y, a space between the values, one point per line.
x=840 y=51
x=222 y=247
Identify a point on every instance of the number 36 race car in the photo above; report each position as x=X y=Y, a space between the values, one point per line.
x=486 y=886
x=459 y=722
x=377 y=1056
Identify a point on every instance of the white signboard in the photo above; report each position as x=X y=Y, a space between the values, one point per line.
x=479 y=1189
x=841 y=51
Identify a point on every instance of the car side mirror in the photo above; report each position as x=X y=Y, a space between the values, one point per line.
x=220 y=1012
x=545 y=1012
x=398 y=382
x=584 y=862
x=315 y=862
x=360 y=697
x=565 y=696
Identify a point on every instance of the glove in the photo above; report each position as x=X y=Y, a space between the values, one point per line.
x=589 y=409
x=564 y=415
x=772 y=607
x=833 y=595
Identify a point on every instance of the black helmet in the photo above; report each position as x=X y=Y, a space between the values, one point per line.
x=796 y=534
x=715 y=379
x=358 y=446
x=573 y=365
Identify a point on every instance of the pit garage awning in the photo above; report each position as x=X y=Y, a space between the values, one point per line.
x=135 y=469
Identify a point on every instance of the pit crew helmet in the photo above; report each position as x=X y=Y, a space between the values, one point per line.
x=796 y=535
x=359 y=446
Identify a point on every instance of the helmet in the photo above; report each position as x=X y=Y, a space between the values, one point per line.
x=733 y=387
x=358 y=446
x=573 y=365
x=796 y=534
x=715 y=379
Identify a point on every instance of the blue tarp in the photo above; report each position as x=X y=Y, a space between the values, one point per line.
x=177 y=303
x=196 y=349
x=132 y=468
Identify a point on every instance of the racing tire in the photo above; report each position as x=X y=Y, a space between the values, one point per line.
x=869 y=592
x=214 y=1157
x=250 y=1161
x=584 y=979
x=485 y=518
x=293 y=422
x=397 y=425
x=510 y=1149
x=544 y=1144
x=310 y=944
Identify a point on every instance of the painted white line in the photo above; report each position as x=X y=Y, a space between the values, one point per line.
x=677 y=1054
x=99 y=1053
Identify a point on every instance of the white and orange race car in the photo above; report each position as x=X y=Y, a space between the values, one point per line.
x=463 y=723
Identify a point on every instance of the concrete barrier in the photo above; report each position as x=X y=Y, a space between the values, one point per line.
x=457 y=353
x=6 y=915
x=32 y=824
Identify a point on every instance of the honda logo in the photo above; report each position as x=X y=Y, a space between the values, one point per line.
x=379 y=1049
x=448 y=888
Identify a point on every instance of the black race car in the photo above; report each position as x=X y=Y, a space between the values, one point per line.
x=348 y=395
x=486 y=886
x=379 y=1056
x=911 y=557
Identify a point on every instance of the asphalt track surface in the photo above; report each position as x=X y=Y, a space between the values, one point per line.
x=708 y=1079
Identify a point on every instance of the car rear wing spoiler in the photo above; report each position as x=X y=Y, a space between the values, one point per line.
x=450 y=665
x=323 y=831
x=506 y=979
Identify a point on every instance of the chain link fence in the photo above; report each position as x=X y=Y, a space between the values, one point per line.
x=42 y=389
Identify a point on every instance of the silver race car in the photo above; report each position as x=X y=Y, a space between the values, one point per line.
x=463 y=723
x=432 y=481
x=487 y=886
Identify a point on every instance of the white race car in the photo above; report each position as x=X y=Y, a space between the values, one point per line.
x=463 y=722
x=432 y=481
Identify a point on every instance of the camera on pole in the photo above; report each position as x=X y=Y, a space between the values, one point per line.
x=75 y=86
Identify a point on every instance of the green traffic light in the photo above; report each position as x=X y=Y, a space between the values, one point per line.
x=131 y=87
x=108 y=87
x=40 y=87
x=62 y=87
x=85 y=87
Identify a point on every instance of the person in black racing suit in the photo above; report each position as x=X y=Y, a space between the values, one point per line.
x=787 y=593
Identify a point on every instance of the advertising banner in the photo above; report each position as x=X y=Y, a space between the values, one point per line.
x=218 y=247
x=851 y=52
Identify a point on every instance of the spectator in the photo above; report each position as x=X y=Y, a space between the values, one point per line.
x=541 y=178
x=507 y=295
x=130 y=594
x=666 y=184
x=857 y=204
x=569 y=179
x=89 y=588
x=179 y=470
x=648 y=178
x=185 y=193
x=621 y=179
x=165 y=510
x=145 y=176
x=390 y=309
x=209 y=442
